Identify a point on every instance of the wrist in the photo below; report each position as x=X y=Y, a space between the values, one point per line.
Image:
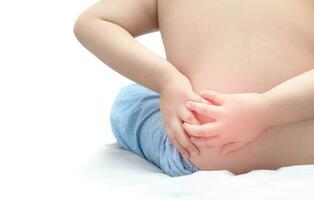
x=171 y=80
x=268 y=115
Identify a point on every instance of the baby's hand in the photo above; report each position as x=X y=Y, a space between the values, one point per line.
x=173 y=96
x=239 y=119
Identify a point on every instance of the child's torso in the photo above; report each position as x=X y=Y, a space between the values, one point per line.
x=240 y=46
x=236 y=45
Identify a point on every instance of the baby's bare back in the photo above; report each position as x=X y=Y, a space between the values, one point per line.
x=244 y=46
x=238 y=46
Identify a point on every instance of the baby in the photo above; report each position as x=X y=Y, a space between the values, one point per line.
x=236 y=91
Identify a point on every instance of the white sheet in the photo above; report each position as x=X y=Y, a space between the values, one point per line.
x=124 y=175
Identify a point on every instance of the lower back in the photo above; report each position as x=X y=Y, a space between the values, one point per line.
x=240 y=46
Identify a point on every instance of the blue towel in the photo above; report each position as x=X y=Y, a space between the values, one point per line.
x=137 y=125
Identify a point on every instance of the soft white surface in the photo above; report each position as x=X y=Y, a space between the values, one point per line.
x=127 y=175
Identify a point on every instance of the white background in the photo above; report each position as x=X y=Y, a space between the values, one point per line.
x=55 y=99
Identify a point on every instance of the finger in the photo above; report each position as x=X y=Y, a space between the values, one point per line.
x=188 y=116
x=203 y=130
x=216 y=141
x=203 y=109
x=182 y=138
x=232 y=146
x=205 y=101
x=176 y=144
x=195 y=97
x=213 y=96
x=181 y=149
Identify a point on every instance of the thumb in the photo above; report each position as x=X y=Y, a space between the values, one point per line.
x=213 y=96
x=205 y=101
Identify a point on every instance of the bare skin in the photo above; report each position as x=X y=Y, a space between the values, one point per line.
x=229 y=47
x=236 y=46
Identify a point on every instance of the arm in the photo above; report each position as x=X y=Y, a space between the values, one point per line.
x=241 y=118
x=107 y=29
x=292 y=100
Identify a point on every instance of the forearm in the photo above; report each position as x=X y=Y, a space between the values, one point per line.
x=292 y=100
x=118 y=49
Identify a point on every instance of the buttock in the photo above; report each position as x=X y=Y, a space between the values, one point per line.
x=137 y=125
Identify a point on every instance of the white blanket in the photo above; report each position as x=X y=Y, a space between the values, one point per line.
x=124 y=175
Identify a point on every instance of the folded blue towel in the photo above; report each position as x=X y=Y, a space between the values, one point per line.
x=136 y=122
